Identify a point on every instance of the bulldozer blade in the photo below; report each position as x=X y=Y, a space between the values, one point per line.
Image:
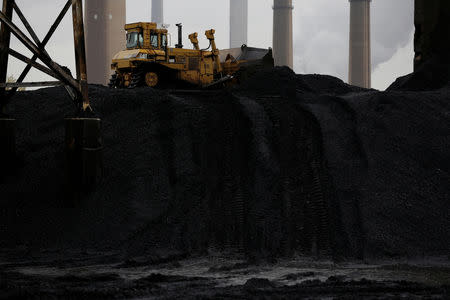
x=248 y=54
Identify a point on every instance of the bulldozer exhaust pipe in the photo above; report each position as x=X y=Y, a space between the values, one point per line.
x=180 y=36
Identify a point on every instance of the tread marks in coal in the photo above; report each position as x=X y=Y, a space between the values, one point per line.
x=188 y=212
x=334 y=236
x=361 y=167
x=208 y=205
x=237 y=142
x=357 y=229
x=263 y=219
x=319 y=194
x=291 y=153
x=232 y=205
x=346 y=156
x=319 y=208
x=303 y=196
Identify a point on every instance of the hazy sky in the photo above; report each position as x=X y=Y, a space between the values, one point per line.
x=321 y=29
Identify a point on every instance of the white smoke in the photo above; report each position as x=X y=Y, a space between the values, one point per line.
x=400 y=64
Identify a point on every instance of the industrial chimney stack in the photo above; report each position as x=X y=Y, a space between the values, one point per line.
x=157 y=11
x=105 y=36
x=238 y=23
x=360 y=57
x=282 y=33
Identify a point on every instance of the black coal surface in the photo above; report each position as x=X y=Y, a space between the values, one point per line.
x=282 y=163
x=430 y=75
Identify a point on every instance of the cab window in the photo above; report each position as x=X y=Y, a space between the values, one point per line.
x=132 y=40
x=163 y=41
x=141 y=40
x=154 y=40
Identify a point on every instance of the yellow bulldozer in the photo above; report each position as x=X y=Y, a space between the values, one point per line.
x=149 y=61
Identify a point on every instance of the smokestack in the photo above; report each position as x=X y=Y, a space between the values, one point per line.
x=157 y=11
x=180 y=36
x=282 y=33
x=238 y=23
x=105 y=36
x=360 y=58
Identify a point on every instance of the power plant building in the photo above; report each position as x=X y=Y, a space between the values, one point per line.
x=105 y=36
x=282 y=33
x=360 y=53
x=238 y=23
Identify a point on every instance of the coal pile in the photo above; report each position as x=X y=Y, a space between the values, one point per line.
x=430 y=75
x=282 y=163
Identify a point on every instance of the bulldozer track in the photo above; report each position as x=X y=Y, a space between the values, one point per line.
x=137 y=78
x=113 y=81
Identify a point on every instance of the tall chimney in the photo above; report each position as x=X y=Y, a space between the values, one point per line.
x=360 y=58
x=282 y=33
x=105 y=36
x=238 y=23
x=157 y=11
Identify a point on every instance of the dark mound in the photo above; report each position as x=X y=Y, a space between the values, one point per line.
x=431 y=75
x=325 y=84
x=188 y=171
x=281 y=163
x=260 y=80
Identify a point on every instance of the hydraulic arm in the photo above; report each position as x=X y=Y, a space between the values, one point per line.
x=215 y=52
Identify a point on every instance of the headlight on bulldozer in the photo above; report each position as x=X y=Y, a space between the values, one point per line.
x=142 y=55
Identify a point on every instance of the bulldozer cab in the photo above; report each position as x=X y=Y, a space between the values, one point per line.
x=145 y=36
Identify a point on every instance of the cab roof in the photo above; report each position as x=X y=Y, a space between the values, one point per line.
x=144 y=26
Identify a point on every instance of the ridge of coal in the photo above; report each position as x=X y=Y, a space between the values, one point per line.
x=281 y=163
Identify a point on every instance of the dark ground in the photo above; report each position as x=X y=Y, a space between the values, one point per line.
x=93 y=276
x=284 y=165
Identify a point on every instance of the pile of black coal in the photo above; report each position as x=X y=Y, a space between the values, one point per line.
x=282 y=163
x=430 y=75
